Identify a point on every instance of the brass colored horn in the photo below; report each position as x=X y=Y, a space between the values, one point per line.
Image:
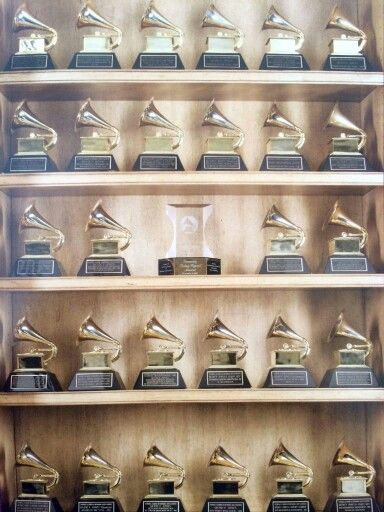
x=279 y=329
x=282 y=457
x=32 y=219
x=23 y=117
x=338 y=21
x=88 y=117
x=23 y=20
x=156 y=458
x=213 y=117
x=153 y=117
x=99 y=218
x=90 y=331
x=337 y=217
x=220 y=457
x=217 y=330
x=25 y=332
x=92 y=459
x=274 y=20
x=155 y=330
x=214 y=19
x=153 y=18
x=344 y=456
x=339 y=120
x=275 y=218
x=88 y=17
x=342 y=329
x=27 y=457
x=276 y=118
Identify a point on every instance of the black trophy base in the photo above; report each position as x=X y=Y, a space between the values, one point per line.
x=290 y=504
x=347 y=163
x=158 y=61
x=93 y=163
x=347 y=63
x=289 y=377
x=96 y=380
x=284 y=163
x=98 y=504
x=225 y=504
x=221 y=61
x=348 y=265
x=38 y=504
x=284 y=62
x=32 y=381
x=30 y=163
x=188 y=266
x=32 y=62
x=347 y=377
x=158 y=162
x=224 y=378
x=352 y=503
x=161 y=503
x=104 y=266
x=284 y=265
x=94 y=60
x=221 y=162
x=160 y=378
x=37 y=267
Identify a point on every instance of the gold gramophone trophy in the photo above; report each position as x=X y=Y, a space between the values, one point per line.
x=96 y=373
x=283 y=51
x=225 y=491
x=287 y=370
x=221 y=153
x=161 y=45
x=38 y=260
x=224 y=372
x=352 y=493
x=35 y=491
x=223 y=47
x=161 y=490
x=345 y=251
x=283 y=257
x=96 y=495
x=352 y=370
x=95 y=148
x=189 y=253
x=32 y=150
x=105 y=259
x=290 y=495
x=283 y=151
x=97 y=52
x=346 y=149
x=345 y=51
x=160 y=372
x=33 y=53
x=31 y=373
x=160 y=148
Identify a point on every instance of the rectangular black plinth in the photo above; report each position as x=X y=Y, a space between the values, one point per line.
x=158 y=162
x=348 y=265
x=96 y=380
x=289 y=378
x=344 y=377
x=158 y=61
x=225 y=378
x=34 y=380
x=37 y=267
x=25 y=62
x=348 y=163
x=225 y=504
x=352 y=504
x=94 y=60
x=221 y=162
x=160 y=379
x=284 y=163
x=198 y=266
x=158 y=504
x=282 y=61
x=30 y=163
x=284 y=265
x=347 y=63
x=290 y=505
x=97 y=266
x=93 y=163
x=221 y=61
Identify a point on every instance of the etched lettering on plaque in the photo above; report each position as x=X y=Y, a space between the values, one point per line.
x=225 y=506
x=354 y=505
x=96 y=506
x=277 y=163
x=157 y=61
x=348 y=63
x=352 y=379
x=104 y=266
x=349 y=264
x=286 y=265
x=94 y=60
x=160 y=506
x=24 y=62
x=289 y=378
x=221 y=61
x=347 y=163
x=284 y=61
x=156 y=163
x=225 y=378
x=32 y=506
x=30 y=164
x=159 y=379
x=290 y=506
x=94 y=380
x=28 y=382
x=221 y=162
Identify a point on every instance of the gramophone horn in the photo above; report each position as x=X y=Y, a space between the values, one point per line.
x=338 y=120
x=156 y=458
x=25 y=332
x=275 y=218
x=155 y=330
x=89 y=17
x=338 y=21
x=220 y=457
x=337 y=217
x=213 y=117
x=213 y=18
x=153 y=117
x=280 y=329
x=99 y=218
x=220 y=331
x=275 y=20
x=282 y=457
x=32 y=219
x=90 y=331
x=276 y=118
x=342 y=329
x=344 y=456
x=24 y=118
x=88 y=117
x=92 y=459
x=153 y=18
x=27 y=457
x=23 y=19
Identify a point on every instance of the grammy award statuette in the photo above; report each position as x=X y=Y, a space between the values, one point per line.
x=283 y=257
x=160 y=372
x=224 y=372
x=161 y=44
x=96 y=373
x=33 y=53
x=105 y=259
x=352 y=370
x=221 y=153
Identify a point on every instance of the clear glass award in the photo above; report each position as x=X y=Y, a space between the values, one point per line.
x=283 y=51
x=189 y=253
x=221 y=149
x=33 y=53
x=224 y=372
x=283 y=257
x=352 y=370
x=161 y=43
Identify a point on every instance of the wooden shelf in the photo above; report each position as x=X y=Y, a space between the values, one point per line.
x=189 y=85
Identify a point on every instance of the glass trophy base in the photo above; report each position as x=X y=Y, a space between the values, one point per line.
x=158 y=61
x=347 y=63
x=289 y=377
x=37 y=267
x=284 y=265
x=189 y=266
x=225 y=504
x=284 y=62
x=94 y=60
x=158 y=162
x=347 y=163
x=30 y=62
x=104 y=266
x=352 y=503
x=284 y=163
x=92 y=163
x=31 y=380
x=96 y=380
x=160 y=378
x=38 y=504
x=221 y=61
x=348 y=265
x=164 y=503
x=221 y=162
x=224 y=378
x=30 y=163
x=98 y=504
x=298 y=503
x=350 y=377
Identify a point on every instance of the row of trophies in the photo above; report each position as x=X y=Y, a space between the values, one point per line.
x=97 y=374
x=221 y=154
x=352 y=488
x=165 y=38
x=189 y=253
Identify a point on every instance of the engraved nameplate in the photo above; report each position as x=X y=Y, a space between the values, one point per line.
x=348 y=63
x=94 y=60
x=29 y=62
x=285 y=265
x=283 y=163
x=28 y=382
x=93 y=162
x=160 y=506
x=290 y=506
x=103 y=266
x=29 y=164
x=219 y=162
x=94 y=380
x=349 y=264
x=96 y=506
x=225 y=506
x=35 y=266
x=354 y=505
x=158 y=163
x=214 y=61
x=225 y=378
x=160 y=379
x=284 y=61
x=289 y=378
x=158 y=61
x=347 y=163
x=355 y=378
